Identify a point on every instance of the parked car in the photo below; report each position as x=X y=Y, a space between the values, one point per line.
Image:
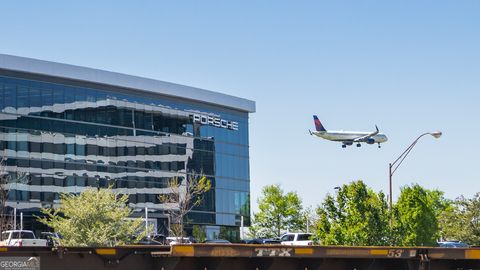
x=51 y=237
x=178 y=240
x=21 y=238
x=271 y=241
x=217 y=241
x=157 y=239
x=262 y=241
x=453 y=244
x=296 y=239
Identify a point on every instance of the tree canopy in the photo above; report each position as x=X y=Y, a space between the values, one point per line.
x=278 y=212
x=461 y=220
x=415 y=216
x=93 y=218
x=355 y=216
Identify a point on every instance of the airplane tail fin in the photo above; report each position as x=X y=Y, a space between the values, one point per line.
x=318 y=124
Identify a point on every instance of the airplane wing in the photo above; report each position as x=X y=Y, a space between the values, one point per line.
x=366 y=137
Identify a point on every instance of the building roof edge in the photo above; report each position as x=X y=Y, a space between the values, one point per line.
x=67 y=71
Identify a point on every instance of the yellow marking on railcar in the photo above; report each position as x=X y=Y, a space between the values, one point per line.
x=183 y=250
x=106 y=251
x=472 y=254
x=379 y=252
x=3 y=249
x=304 y=251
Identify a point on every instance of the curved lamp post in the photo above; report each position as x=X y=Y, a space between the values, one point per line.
x=394 y=165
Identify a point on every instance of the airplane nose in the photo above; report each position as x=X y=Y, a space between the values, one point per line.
x=385 y=138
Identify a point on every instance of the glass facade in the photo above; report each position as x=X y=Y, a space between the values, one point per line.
x=64 y=136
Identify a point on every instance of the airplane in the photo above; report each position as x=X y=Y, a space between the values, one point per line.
x=348 y=137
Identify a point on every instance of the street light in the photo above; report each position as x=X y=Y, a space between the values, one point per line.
x=394 y=165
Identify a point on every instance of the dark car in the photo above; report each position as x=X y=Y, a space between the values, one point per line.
x=217 y=241
x=157 y=239
x=262 y=241
x=51 y=237
x=272 y=241
x=248 y=241
x=453 y=244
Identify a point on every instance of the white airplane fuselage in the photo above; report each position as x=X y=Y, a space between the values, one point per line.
x=348 y=136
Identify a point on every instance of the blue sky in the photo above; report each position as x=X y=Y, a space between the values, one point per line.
x=407 y=66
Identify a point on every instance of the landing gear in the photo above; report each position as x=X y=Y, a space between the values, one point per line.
x=344 y=146
x=358 y=145
x=379 y=146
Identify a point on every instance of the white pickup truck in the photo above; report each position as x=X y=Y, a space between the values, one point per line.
x=21 y=238
x=296 y=239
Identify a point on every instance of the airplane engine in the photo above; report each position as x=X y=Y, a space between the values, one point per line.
x=370 y=141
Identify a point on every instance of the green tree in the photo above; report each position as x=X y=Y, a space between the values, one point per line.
x=278 y=212
x=198 y=232
x=93 y=218
x=355 y=216
x=461 y=220
x=415 y=216
x=439 y=203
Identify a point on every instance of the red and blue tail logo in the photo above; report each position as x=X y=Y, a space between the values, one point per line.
x=318 y=124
